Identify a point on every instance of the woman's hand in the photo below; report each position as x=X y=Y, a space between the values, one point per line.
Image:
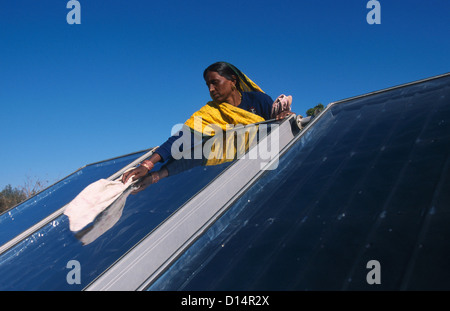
x=283 y=115
x=143 y=169
x=138 y=172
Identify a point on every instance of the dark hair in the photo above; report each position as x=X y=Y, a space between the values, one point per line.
x=225 y=70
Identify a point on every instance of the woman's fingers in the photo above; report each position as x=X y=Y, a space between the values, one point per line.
x=283 y=115
x=125 y=177
x=135 y=173
x=128 y=174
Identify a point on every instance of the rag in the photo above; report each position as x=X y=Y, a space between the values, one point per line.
x=105 y=220
x=281 y=104
x=93 y=200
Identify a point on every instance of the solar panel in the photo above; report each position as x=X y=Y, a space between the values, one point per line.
x=369 y=181
x=365 y=180
x=39 y=261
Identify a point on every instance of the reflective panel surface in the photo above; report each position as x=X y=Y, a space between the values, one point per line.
x=369 y=181
x=23 y=216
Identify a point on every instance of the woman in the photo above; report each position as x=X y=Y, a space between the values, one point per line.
x=235 y=100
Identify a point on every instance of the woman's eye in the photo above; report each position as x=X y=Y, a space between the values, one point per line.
x=213 y=82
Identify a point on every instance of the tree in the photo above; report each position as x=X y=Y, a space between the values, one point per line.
x=31 y=187
x=10 y=196
x=314 y=111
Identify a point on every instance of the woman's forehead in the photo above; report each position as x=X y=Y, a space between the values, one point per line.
x=213 y=75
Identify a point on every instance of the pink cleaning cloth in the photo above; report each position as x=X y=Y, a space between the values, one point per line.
x=281 y=104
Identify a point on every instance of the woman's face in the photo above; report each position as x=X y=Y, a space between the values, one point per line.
x=220 y=88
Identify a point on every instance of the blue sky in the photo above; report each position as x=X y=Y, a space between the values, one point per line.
x=118 y=82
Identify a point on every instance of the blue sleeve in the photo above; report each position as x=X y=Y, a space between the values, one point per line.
x=165 y=150
x=257 y=103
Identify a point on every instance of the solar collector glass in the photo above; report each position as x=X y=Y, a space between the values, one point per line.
x=368 y=181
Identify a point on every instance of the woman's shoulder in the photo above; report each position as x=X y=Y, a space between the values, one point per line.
x=257 y=96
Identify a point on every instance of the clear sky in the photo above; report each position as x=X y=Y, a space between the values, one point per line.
x=118 y=82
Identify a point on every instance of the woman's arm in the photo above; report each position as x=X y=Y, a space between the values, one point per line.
x=162 y=154
x=142 y=169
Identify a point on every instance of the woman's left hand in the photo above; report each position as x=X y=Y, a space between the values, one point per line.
x=283 y=115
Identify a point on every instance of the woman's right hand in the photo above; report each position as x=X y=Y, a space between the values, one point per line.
x=138 y=172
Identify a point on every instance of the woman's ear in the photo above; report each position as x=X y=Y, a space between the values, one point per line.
x=234 y=81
